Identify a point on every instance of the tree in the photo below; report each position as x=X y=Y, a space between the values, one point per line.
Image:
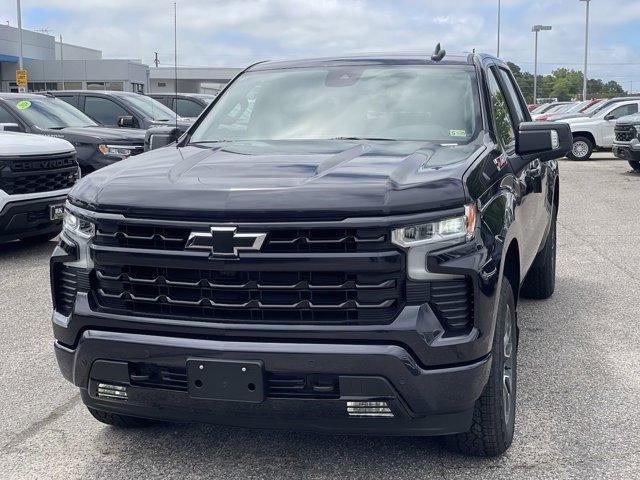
x=564 y=84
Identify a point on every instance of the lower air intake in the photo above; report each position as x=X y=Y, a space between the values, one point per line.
x=369 y=409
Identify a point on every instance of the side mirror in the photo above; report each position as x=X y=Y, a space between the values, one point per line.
x=10 y=127
x=543 y=140
x=126 y=121
x=609 y=117
x=157 y=137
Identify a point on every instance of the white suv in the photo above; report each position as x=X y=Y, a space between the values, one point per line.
x=36 y=173
x=597 y=131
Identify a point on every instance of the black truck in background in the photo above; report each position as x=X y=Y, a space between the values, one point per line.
x=96 y=146
x=186 y=105
x=122 y=109
x=626 y=144
x=335 y=245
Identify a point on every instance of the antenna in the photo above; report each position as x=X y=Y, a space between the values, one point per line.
x=438 y=54
x=156 y=61
x=175 y=55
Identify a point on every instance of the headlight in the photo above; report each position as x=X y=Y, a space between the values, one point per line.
x=115 y=150
x=449 y=229
x=420 y=240
x=79 y=231
x=75 y=226
x=637 y=127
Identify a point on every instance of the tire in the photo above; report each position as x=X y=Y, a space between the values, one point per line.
x=635 y=164
x=540 y=282
x=493 y=422
x=581 y=149
x=120 y=421
x=45 y=237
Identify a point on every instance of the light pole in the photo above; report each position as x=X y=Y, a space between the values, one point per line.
x=498 y=53
x=536 y=29
x=19 y=34
x=586 y=49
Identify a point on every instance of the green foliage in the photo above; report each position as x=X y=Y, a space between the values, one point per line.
x=564 y=84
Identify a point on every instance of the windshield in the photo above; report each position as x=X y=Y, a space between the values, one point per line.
x=541 y=108
x=205 y=97
x=49 y=113
x=149 y=107
x=596 y=107
x=435 y=103
x=574 y=107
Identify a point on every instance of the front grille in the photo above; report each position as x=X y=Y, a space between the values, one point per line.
x=250 y=296
x=34 y=174
x=625 y=133
x=283 y=240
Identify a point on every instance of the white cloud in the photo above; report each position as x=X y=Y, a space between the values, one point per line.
x=238 y=32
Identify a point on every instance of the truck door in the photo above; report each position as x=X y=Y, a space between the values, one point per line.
x=609 y=123
x=508 y=112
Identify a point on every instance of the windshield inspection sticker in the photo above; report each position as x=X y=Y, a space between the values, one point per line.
x=23 y=104
x=457 y=133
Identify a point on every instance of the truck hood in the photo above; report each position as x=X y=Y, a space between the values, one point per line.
x=582 y=121
x=21 y=144
x=252 y=181
x=104 y=134
x=629 y=120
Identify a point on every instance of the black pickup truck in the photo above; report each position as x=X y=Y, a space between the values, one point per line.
x=626 y=144
x=335 y=245
x=96 y=146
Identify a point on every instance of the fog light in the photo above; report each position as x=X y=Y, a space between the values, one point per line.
x=369 y=409
x=117 y=392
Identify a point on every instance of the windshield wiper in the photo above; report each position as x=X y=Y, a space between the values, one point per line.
x=209 y=141
x=364 y=138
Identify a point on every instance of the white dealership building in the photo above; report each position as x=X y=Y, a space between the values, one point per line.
x=52 y=65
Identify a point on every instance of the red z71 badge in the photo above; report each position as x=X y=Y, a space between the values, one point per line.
x=500 y=162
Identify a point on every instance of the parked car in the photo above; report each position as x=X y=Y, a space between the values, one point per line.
x=597 y=131
x=548 y=107
x=336 y=245
x=592 y=110
x=565 y=109
x=186 y=105
x=36 y=173
x=579 y=109
x=626 y=144
x=96 y=146
x=122 y=109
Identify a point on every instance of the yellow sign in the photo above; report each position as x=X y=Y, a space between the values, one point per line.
x=21 y=78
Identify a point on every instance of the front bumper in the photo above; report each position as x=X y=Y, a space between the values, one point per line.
x=423 y=401
x=627 y=151
x=26 y=217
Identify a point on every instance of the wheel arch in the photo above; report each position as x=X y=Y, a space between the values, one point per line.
x=586 y=134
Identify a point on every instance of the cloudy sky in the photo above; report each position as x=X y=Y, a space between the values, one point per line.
x=235 y=33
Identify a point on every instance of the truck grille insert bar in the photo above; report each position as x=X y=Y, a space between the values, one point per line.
x=324 y=240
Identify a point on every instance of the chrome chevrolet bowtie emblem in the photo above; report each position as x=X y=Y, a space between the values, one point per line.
x=225 y=241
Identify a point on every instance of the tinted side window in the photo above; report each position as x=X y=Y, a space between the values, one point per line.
x=186 y=108
x=103 y=110
x=70 y=99
x=624 y=110
x=512 y=92
x=503 y=125
x=6 y=117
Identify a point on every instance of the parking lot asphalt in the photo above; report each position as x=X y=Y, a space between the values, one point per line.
x=578 y=410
